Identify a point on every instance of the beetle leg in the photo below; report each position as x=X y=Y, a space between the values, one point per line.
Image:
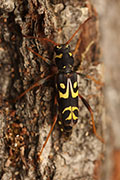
x=54 y=122
x=92 y=118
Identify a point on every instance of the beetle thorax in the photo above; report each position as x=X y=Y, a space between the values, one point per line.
x=64 y=59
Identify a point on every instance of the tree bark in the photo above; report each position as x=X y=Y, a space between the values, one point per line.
x=110 y=42
x=25 y=124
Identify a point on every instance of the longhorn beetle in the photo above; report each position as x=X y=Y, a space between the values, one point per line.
x=66 y=86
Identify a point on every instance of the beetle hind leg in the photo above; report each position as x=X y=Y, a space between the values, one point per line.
x=92 y=118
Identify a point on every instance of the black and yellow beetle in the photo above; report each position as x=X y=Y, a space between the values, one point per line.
x=66 y=87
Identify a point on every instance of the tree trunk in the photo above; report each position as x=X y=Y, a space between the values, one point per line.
x=25 y=124
x=110 y=41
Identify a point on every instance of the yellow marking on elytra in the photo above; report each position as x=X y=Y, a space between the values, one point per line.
x=75 y=84
x=59 y=56
x=66 y=94
x=74 y=94
x=66 y=46
x=66 y=109
x=74 y=117
x=70 y=53
x=62 y=85
x=71 y=114
x=64 y=67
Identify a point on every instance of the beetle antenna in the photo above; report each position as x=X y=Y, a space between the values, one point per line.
x=78 y=30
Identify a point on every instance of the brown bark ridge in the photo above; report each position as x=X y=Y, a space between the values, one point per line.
x=26 y=123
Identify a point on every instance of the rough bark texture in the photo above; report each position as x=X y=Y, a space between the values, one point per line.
x=24 y=130
x=110 y=27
